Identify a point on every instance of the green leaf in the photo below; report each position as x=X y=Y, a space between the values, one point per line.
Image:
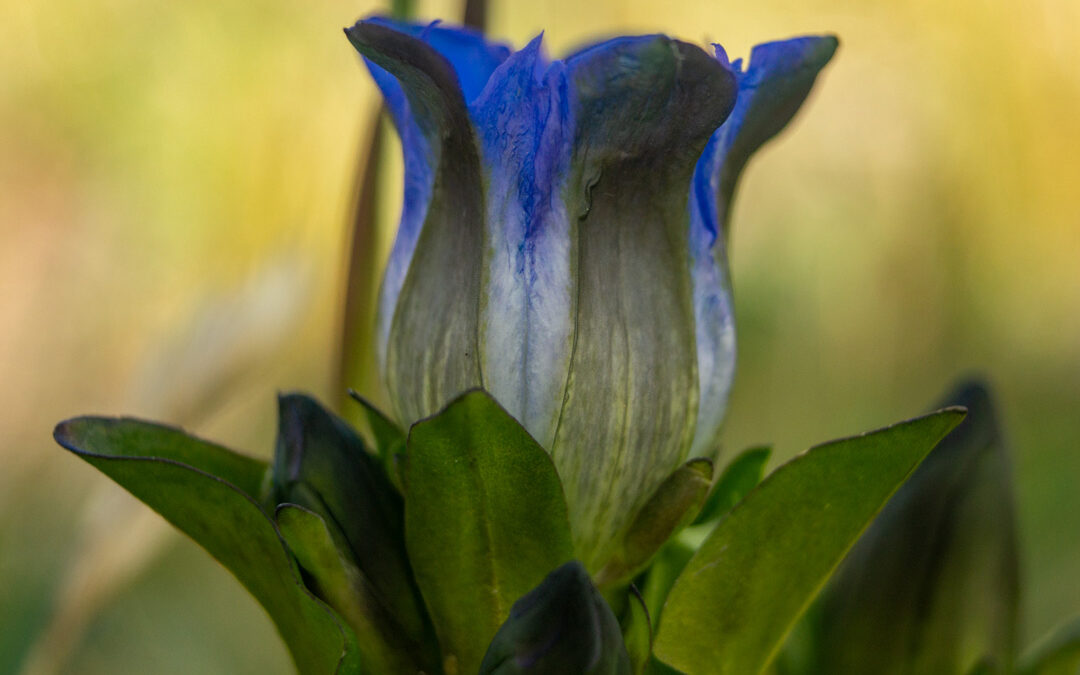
x=323 y=553
x=388 y=436
x=740 y=476
x=933 y=585
x=986 y=666
x=744 y=589
x=636 y=631
x=1056 y=654
x=485 y=521
x=561 y=627
x=661 y=576
x=670 y=508
x=318 y=453
x=207 y=492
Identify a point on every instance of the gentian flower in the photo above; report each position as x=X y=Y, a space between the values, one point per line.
x=562 y=242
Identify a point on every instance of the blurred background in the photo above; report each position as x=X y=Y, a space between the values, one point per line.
x=176 y=186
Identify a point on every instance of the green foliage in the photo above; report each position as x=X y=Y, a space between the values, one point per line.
x=387 y=437
x=743 y=590
x=667 y=511
x=208 y=493
x=561 y=627
x=386 y=434
x=485 y=521
x=637 y=631
x=473 y=568
x=334 y=577
x=661 y=575
x=1057 y=654
x=321 y=464
x=740 y=476
x=933 y=585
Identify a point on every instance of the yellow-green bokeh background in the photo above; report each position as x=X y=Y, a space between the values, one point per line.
x=175 y=179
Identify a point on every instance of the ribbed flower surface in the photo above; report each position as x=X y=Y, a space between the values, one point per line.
x=562 y=242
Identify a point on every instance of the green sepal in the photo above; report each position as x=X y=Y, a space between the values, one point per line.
x=741 y=593
x=560 y=627
x=318 y=452
x=670 y=508
x=322 y=552
x=740 y=476
x=485 y=521
x=1056 y=654
x=208 y=493
x=933 y=584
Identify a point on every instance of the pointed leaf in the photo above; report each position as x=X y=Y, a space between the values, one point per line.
x=318 y=451
x=388 y=437
x=385 y=432
x=661 y=576
x=744 y=589
x=562 y=626
x=485 y=521
x=932 y=587
x=171 y=472
x=1057 y=654
x=669 y=509
x=740 y=476
x=637 y=631
x=334 y=576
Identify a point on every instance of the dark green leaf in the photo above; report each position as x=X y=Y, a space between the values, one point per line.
x=658 y=667
x=320 y=453
x=323 y=553
x=743 y=590
x=1057 y=654
x=485 y=521
x=637 y=631
x=668 y=510
x=388 y=436
x=932 y=587
x=986 y=666
x=206 y=492
x=561 y=627
x=740 y=476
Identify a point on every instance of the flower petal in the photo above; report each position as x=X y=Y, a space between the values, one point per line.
x=771 y=90
x=473 y=60
x=526 y=331
x=774 y=86
x=472 y=57
x=431 y=347
x=644 y=108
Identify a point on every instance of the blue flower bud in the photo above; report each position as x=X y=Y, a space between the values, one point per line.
x=562 y=242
